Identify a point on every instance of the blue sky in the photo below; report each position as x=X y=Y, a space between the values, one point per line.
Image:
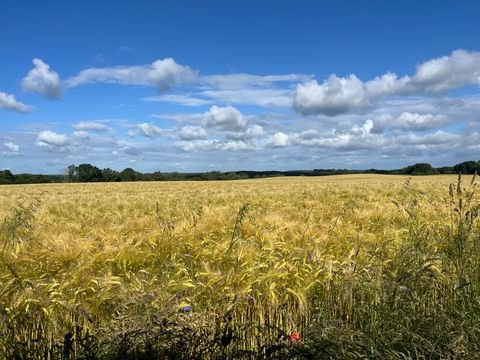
x=232 y=85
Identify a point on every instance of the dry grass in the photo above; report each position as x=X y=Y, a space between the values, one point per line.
x=359 y=265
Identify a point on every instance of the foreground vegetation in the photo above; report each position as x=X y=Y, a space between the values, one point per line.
x=357 y=266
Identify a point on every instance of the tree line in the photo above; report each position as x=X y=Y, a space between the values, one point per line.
x=91 y=173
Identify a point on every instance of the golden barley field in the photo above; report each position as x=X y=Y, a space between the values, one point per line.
x=351 y=266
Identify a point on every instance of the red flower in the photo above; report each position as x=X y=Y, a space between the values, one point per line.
x=295 y=337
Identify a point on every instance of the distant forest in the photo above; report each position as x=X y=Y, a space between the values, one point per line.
x=90 y=173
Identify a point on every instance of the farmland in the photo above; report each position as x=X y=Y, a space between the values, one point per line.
x=373 y=266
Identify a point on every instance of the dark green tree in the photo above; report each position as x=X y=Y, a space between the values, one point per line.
x=88 y=173
x=128 y=174
x=467 y=167
x=110 y=175
x=6 y=177
x=420 y=169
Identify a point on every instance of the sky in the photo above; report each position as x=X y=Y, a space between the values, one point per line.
x=207 y=85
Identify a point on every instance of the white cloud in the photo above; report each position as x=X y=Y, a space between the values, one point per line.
x=355 y=138
x=9 y=102
x=458 y=69
x=199 y=145
x=91 y=126
x=192 y=133
x=225 y=118
x=162 y=74
x=12 y=149
x=365 y=129
x=52 y=140
x=385 y=85
x=185 y=100
x=333 y=97
x=340 y=95
x=236 y=145
x=149 y=130
x=251 y=132
x=412 y=121
x=43 y=80
x=254 y=131
x=438 y=138
x=226 y=122
x=232 y=123
x=279 y=139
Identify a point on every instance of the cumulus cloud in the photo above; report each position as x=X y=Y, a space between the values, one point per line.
x=358 y=137
x=11 y=149
x=43 y=80
x=237 y=131
x=149 y=130
x=334 y=96
x=192 y=133
x=8 y=102
x=163 y=74
x=232 y=123
x=458 y=69
x=279 y=139
x=225 y=118
x=361 y=139
x=385 y=85
x=52 y=140
x=340 y=95
x=251 y=132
